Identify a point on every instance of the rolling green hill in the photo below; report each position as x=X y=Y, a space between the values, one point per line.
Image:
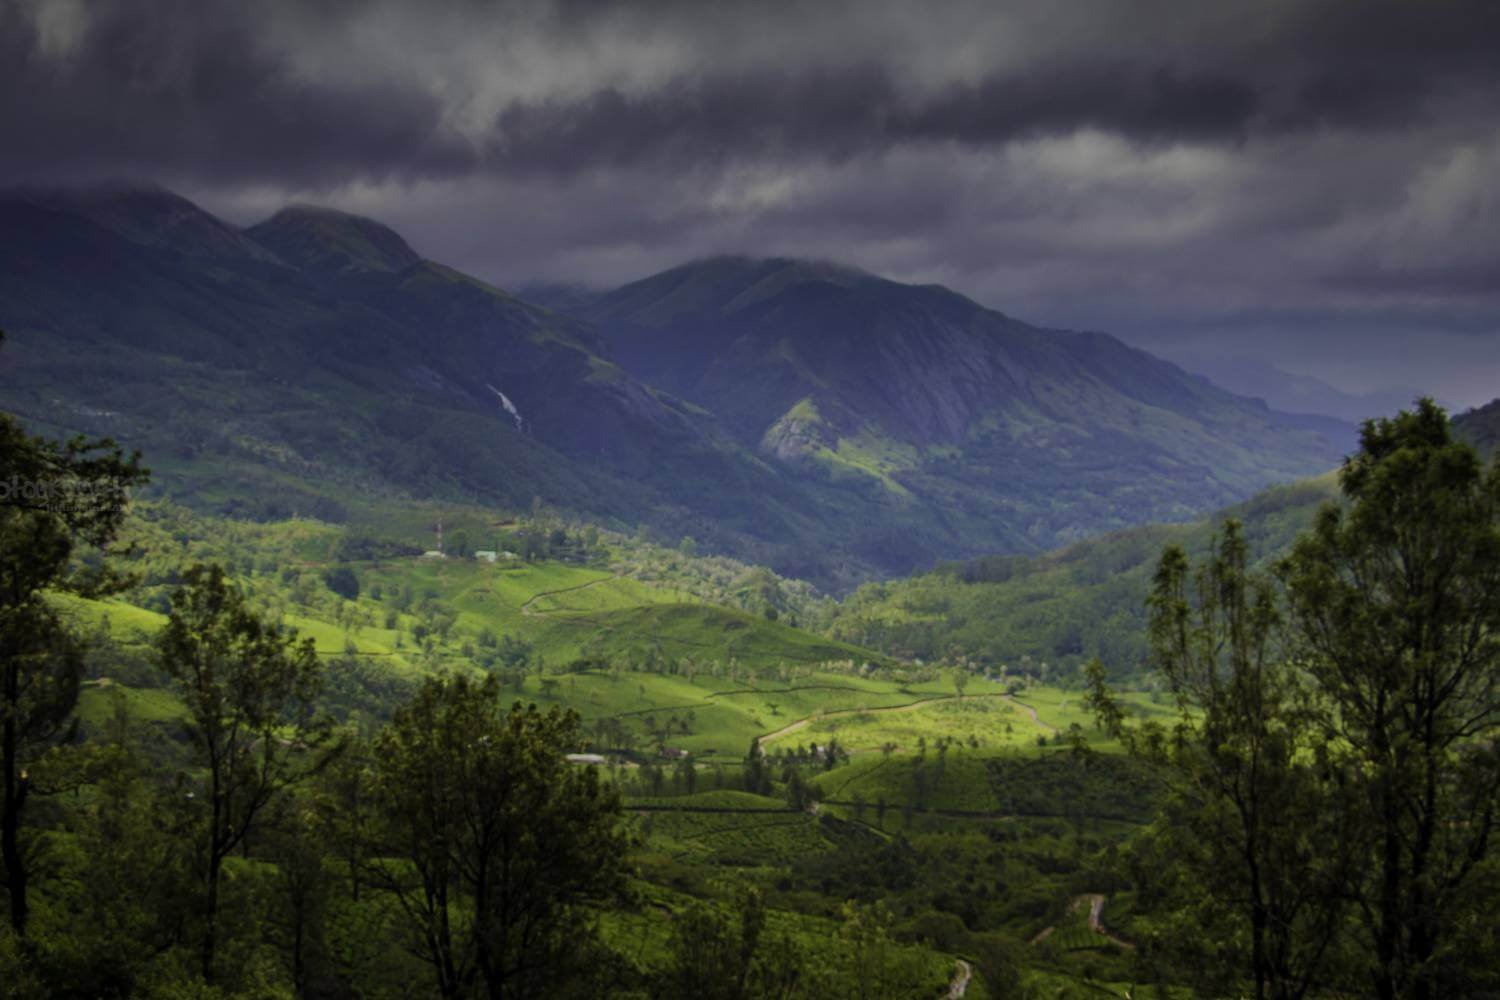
x=609 y=626
x=1046 y=614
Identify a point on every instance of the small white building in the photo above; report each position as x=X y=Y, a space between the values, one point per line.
x=433 y=554
x=585 y=758
x=486 y=555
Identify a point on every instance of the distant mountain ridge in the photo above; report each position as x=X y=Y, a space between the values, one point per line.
x=326 y=240
x=810 y=416
x=1291 y=393
x=329 y=352
x=1481 y=428
x=936 y=398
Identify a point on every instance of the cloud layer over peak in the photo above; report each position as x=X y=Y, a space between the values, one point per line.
x=1305 y=180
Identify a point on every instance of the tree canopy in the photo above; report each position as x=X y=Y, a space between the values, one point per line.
x=52 y=498
x=1338 y=783
x=493 y=844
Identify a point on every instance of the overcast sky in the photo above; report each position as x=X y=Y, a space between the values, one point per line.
x=1309 y=182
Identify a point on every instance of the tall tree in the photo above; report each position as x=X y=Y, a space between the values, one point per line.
x=718 y=957
x=52 y=497
x=132 y=870
x=250 y=690
x=756 y=774
x=299 y=845
x=1250 y=816
x=1396 y=599
x=492 y=844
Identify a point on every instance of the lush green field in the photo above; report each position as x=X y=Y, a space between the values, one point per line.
x=928 y=813
x=738 y=838
x=101 y=699
x=579 y=592
x=706 y=679
x=643 y=934
x=941 y=789
x=1045 y=615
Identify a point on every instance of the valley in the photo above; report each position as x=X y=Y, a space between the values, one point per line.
x=823 y=500
x=819 y=615
x=673 y=690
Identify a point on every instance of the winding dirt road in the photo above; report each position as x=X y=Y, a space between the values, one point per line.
x=912 y=707
x=527 y=610
x=1030 y=711
x=961 y=976
x=1096 y=910
x=1095 y=901
x=792 y=727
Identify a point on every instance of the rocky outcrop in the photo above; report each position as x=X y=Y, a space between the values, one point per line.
x=798 y=434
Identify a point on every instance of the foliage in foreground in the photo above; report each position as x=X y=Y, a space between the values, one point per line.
x=1337 y=779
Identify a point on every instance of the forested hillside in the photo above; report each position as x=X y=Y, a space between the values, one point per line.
x=1047 y=615
x=973 y=427
x=832 y=425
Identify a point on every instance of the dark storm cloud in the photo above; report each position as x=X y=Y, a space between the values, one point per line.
x=186 y=90
x=837 y=114
x=1170 y=169
x=215 y=90
x=701 y=121
x=1140 y=101
x=1362 y=66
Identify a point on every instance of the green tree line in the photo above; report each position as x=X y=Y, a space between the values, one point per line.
x=1336 y=786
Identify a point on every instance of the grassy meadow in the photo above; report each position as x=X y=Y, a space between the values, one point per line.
x=952 y=790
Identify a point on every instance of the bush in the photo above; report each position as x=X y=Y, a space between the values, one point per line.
x=343 y=582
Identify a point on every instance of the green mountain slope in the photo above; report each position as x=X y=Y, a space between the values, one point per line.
x=1061 y=608
x=600 y=608
x=831 y=424
x=1481 y=428
x=315 y=361
x=1010 y=436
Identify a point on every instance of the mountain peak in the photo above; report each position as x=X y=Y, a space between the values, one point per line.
x=152 y=216
x=333 y=242
x=802 y=268
x=724 y=283
x=767 y=275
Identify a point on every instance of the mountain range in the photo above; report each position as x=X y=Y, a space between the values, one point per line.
x=1292 y=393
x=827 y=422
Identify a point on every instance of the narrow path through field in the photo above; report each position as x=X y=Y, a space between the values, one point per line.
x=961 y=975
x=1030 y=711
x=527 y=610
x=911 y=707
x=1096 y=910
